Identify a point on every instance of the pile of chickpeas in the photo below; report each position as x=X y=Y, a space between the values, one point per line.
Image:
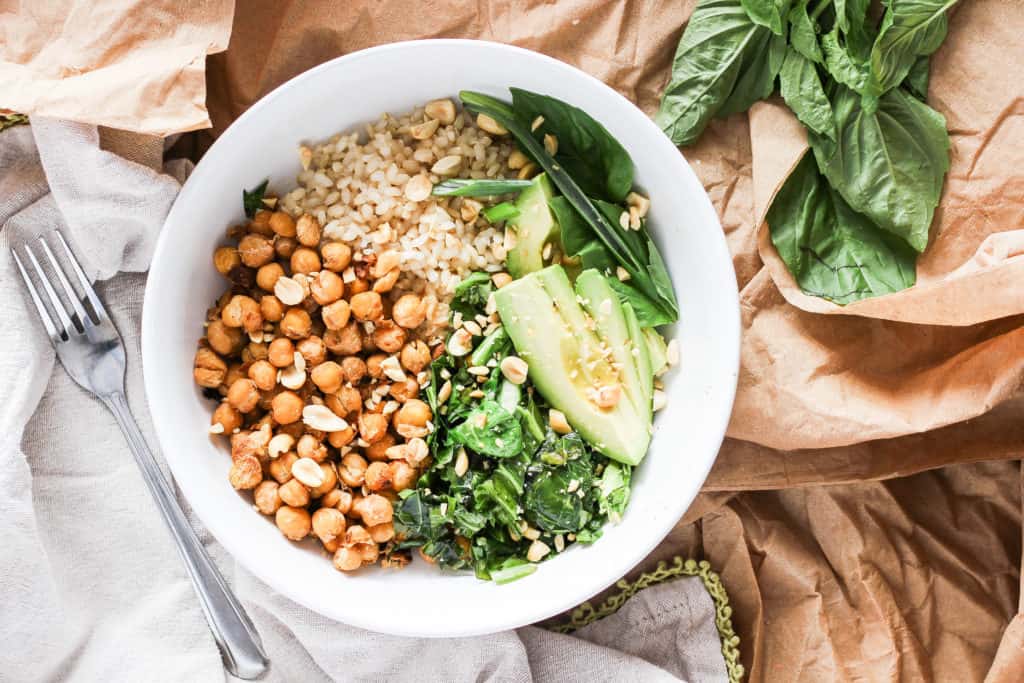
x=317 y=366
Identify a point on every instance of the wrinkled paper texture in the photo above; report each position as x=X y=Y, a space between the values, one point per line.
x=136 y=65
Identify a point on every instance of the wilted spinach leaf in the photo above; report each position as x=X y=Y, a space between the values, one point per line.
x=586 y=150
x=831 y=250
x=471 y=294
x=803 y=92
x=888 y=164
x=724 y=63
x=492 y=430
x=615 y=489
x=252 y=200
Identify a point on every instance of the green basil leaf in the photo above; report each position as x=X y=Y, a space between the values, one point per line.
x=841 y=63
x=586 y=150
x=578 y=239
x=832 y=251
x=916 y=82
x=803 y=34
x=804 y=94
x=888 y=164
x=720 y=48
x=757 y=75
x=910 y=29
x=767 y=13
x=648 y=314
x=252 y=200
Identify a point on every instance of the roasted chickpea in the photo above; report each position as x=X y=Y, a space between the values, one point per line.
x=243 y=395
x=386 y=282
x=296 y=324
x=210 y=369
x=242 y=311
x=373 y=365
x=326 y=287
x=305 y=260
x=271 y=308
x=378 y=476
x=351 y=399
x=267 y=275
x=312 y=349
x=415 y=356
x=228 y=417
x=266 y=497
x=373 y=509
x=403 y=391
x=366 y=306
x=403 y=475
x=377 y=451
x=352 y=471
x=307 y=230
x=328 y=524
x=294 y=492
x=286 y=407
x=310 y=447
x=281 y=467
x=261 y=223
x=256 y=351
x=331 y=498
x=255 y=250
x=281 y=352
x=294 y=522
x=226 y=258
x=327 y=376
x=388 y=337
x=336 y=315
x=354 y=369
x=411 y=419
x=382 y=533
x=282 y=224
x=342 y=438
x=345 y=342
x=348 y=559
x=409 y=311
x=224 y=340
x=373 y=426
x=285 y=247
x=263 y=374
x=358 y=286
x=245 y=472
x=330 y=480
x=337 y=256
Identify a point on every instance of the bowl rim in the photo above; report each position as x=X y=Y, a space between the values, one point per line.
x=571 y=596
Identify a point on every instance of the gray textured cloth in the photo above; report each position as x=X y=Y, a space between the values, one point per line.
x=91 y=587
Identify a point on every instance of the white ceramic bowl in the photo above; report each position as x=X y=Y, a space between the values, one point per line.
x=354 y=89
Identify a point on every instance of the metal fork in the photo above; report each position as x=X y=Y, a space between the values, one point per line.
x=91 y=351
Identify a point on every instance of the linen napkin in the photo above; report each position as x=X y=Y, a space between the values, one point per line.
x=90 y=583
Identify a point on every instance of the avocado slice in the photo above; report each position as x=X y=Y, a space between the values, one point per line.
x=657 y=350
x=533 y=227
x=600 y=301
x=556 y=338
x=642 y=358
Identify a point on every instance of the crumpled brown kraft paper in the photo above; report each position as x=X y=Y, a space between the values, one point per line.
x=907 y=579
x=136 y=65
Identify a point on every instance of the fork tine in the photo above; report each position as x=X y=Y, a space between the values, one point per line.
x=58 y=307
x=83 y=317
x=90 y=293
x=44 y=315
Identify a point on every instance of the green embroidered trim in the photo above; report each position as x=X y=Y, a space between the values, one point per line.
x=587 y=614
x=12 y=119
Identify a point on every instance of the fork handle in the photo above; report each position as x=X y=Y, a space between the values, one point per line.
x=239 y=643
